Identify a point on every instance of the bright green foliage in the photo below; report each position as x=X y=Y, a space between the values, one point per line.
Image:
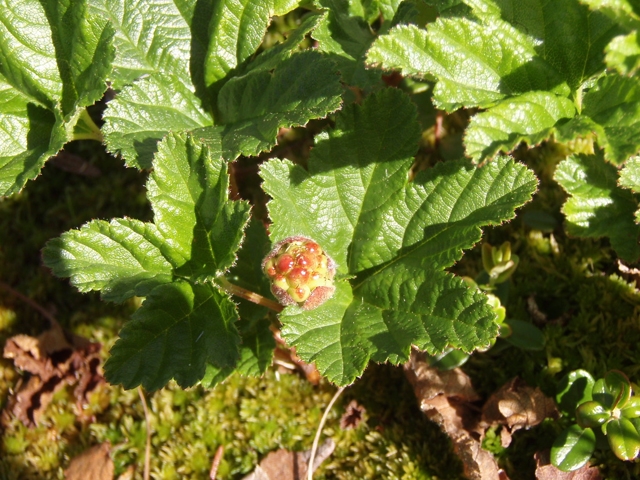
x=398 y=294
x=529 y=118
x=54 y=61
x=185 y=321
x=194 y=78
x=597 y=206
x=520 y=60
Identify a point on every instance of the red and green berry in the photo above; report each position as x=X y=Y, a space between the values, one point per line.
x=300 y=272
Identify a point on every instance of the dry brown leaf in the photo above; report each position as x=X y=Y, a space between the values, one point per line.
x=352 y=415
x=517 y=405
x=546 y=471
x=445 y=398
x=92 y=464
x=286 y=465
x=54 y=360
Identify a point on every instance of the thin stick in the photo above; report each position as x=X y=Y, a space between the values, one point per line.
x=29 y=302
x=249 y=295
x=316 y=440
x=216 y=463
x=147 y=451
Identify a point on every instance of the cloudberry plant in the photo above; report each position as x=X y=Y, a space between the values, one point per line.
x=300 y=272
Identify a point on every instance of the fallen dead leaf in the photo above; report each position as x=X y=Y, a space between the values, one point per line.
x=286 y=465
x=54 y=359
x=352 y=415
x=516 y=405
x=546 y=471
x=92 y=464
x=445 y=397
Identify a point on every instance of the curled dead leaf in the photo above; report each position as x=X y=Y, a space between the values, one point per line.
x=516 y=405
x=352 y=416
x=54 y=360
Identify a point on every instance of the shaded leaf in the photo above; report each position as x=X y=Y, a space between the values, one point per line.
x=346 y=36
x=179 y=328
x=597 y=207
x=254 y=106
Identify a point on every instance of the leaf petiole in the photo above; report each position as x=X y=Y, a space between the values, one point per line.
x=248 y=295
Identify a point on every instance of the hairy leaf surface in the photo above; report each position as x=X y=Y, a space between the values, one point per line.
x=172 y=262
x=391 y=238
x=598 y=207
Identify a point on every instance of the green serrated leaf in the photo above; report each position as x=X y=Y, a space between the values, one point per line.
x=529 y=118
x=597 y=206
x=188 y=192
x=54 y=61
x=235 y=33
x=614 y=106
x=256 y=353
x=393 y=237
x=122 y=258
x=346 y=37
x=178 y=330
x=254 y=106
x=476 y=64
x=143 y=113
x=23 y=154
x=150 y=37
x=184 y=323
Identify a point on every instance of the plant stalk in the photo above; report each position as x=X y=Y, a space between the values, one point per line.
x=249 y=295
x=316 y=440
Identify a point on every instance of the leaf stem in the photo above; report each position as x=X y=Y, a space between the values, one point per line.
x=316 y=440
x=249 y=295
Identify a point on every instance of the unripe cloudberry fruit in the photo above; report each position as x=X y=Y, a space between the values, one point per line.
x=300 y=272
